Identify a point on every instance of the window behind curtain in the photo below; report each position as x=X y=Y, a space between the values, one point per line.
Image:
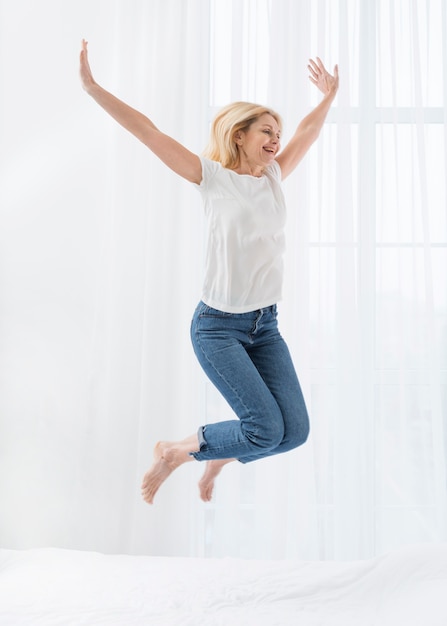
x=366 y=303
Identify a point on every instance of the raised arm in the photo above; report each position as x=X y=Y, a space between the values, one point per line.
x=309 y=128
x=173 y=154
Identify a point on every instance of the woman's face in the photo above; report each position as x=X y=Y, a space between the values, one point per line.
x=260 y=143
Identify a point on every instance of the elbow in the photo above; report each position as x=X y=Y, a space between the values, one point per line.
x=313 y=132
x=309 y=132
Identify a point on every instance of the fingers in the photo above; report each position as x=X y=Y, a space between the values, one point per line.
x=318 y=71
x=314 y=71
x=84 y=55
x=336 y=79
x=84 y=44
x=321 y=78
x=84 y=69
x=320 y=65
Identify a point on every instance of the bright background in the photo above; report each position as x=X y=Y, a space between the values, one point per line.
x=101 y=255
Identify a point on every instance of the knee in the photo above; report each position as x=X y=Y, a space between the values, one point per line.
x=296 y=428
x=268 y=435
x=275 y=433
x=304 y=434
x=300 y=433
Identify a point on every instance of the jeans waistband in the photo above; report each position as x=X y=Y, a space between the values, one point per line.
x=267 y=309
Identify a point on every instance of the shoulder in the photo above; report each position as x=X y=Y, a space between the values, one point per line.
x=210 y=169
x=274 y=171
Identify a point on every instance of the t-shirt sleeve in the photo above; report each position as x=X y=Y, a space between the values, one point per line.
x=209 y=170
x=275 y=171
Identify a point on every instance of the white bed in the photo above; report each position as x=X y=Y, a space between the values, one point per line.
x=407 y=587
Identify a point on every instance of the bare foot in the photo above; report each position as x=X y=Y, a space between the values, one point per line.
x=206 y=483
x=167 y=457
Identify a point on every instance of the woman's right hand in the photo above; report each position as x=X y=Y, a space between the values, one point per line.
x=173 y=154
x=84 y=69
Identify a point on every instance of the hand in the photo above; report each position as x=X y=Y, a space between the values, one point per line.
x=84 y=69
x=320 y=77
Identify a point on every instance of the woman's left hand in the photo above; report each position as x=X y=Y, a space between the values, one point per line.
x=318 y=74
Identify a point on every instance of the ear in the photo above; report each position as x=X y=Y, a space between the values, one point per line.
x=238 y=137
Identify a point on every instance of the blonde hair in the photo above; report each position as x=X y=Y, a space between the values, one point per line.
x=230 y=120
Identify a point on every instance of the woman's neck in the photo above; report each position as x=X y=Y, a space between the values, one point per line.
x=249 y=170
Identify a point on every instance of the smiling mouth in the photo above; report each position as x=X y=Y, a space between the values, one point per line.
x=270 y=150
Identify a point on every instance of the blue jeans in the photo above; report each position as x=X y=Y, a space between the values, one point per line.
x=248 y=361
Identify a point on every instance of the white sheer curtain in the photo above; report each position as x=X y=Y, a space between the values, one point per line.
x=101 y=256
x=101 y=270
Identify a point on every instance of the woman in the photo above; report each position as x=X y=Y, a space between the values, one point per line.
x=234 y=329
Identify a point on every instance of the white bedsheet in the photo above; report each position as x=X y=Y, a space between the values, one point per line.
x=47 y=587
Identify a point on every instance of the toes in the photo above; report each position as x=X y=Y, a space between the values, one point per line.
x=206 y=492
x=148 y=495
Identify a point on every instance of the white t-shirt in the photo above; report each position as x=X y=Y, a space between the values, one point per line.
x=246 y=217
